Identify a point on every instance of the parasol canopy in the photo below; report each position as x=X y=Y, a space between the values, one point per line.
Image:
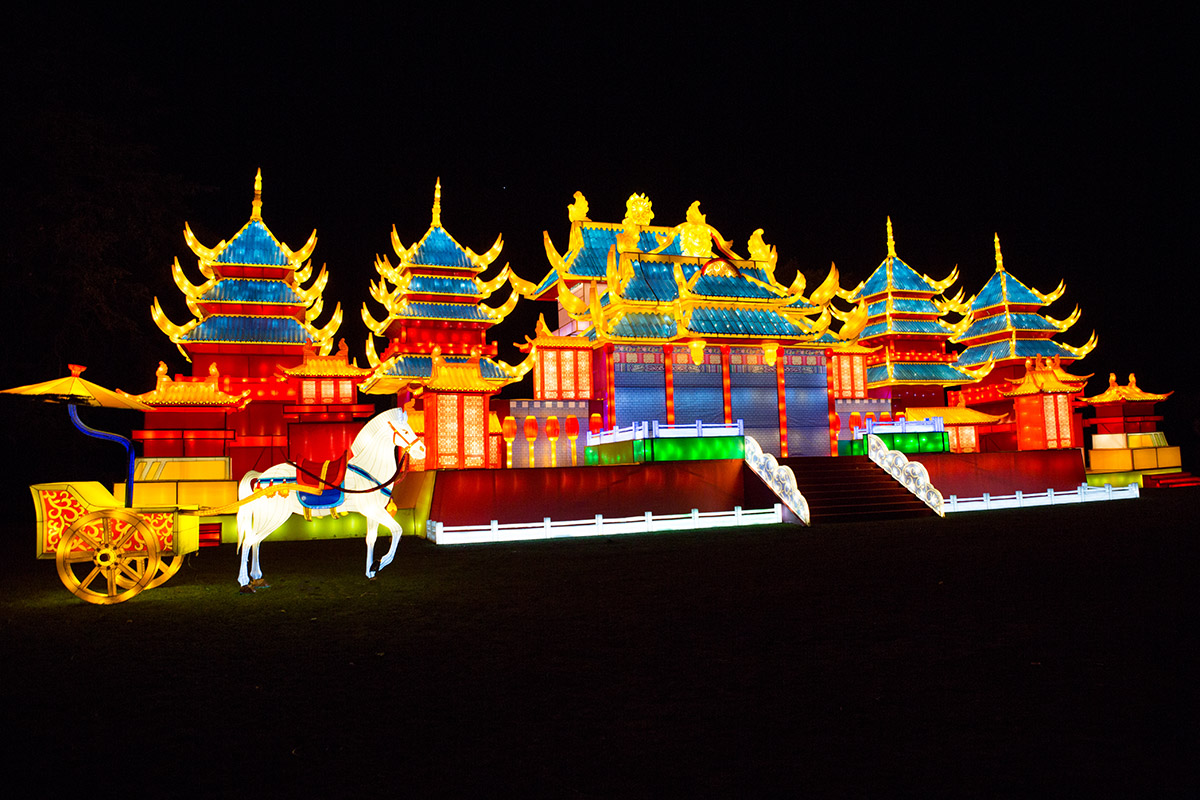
x=76 y=391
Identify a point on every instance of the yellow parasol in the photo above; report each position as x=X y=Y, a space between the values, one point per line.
x=75 y=391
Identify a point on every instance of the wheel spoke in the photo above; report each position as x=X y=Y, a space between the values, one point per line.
x=83 y=584
x=78 y=557
x=82 y=533
x=106 y=525
x=111 y=575
x=133 y=571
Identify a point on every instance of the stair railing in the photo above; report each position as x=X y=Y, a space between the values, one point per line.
x=911 y=474
x=779 y=477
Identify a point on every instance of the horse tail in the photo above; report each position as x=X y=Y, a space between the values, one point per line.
x=246 y=522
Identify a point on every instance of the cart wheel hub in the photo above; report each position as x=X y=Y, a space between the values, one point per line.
x=105 y=558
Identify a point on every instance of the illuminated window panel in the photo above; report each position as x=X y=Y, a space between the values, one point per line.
x=474 y=431
x=550 y=375
x=309 y=392
x=328 y=391
x=583 y=372
x=447 y=431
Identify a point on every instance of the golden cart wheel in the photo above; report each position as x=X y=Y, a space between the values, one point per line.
x=168 y=565
x=107 y=556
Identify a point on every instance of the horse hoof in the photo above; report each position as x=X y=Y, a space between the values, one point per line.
x=247 y=589
x=259 y=583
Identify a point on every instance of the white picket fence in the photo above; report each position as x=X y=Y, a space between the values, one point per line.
x=653 y=429
x=601 y=526
x=1082 y=494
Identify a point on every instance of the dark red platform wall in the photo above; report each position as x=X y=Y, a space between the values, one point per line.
x=477 y=496
x=972 y=474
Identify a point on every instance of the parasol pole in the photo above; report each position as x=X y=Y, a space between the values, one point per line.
x=112 y=437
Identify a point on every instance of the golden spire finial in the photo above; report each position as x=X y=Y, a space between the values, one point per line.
x=999 y=256
x=256 y=206
x=437 y=204
x=891 y=241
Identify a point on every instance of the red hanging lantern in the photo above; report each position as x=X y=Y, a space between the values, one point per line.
x=552 y=435
x=531 y=433
x=595 y=423
x=572 y=435
x=508 y=429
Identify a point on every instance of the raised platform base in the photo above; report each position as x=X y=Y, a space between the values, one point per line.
x=972 y=474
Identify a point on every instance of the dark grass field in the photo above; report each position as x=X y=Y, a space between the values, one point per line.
x=1017 y=653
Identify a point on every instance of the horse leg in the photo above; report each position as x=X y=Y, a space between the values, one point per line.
x=372 y=533
x=256 y=571
x=379 y=516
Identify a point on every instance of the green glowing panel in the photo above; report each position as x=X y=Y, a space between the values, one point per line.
x=708 y=448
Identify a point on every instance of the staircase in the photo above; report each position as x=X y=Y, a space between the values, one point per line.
x=852 y=488
x=1171 y=480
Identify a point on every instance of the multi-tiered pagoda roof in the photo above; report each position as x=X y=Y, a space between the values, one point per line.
x=907 y=324
x=434 y=302
x=1006 y=327
x=253 y=301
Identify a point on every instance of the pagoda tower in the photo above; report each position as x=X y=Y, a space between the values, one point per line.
x=907 y=329
x=1006 y=328
x=433 y=299
x=252 y=316
x=252 y=313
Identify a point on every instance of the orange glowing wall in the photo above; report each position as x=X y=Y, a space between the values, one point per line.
x=1044 y=422
x=562 y=374
x=456 y=432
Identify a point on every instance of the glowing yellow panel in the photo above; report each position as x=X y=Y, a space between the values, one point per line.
x=1114 y=460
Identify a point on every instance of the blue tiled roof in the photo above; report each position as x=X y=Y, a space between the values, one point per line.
x=916 y=373
x=439 y=250
x=273 y=330
x=591 y=261
x=1026 y=348
x=422 y=366
x=992 y=293
x=902 y=305
x=741 y=322
x=720 y=286
x=468 y=311
x=998 y=322
x=245 y=290
x=428 y=284
x=652 y=281
x=902 y=326
x=904 y=279
x=644 y=326
x=253 y=245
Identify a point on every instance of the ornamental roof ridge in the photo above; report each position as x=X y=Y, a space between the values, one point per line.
x=1116 y=393
x=168 y=392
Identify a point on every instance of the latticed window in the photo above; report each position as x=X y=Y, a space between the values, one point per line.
x=1056 y=411
x=328 y=391
x=474 y=431
x=308 y=390
x=447 y=431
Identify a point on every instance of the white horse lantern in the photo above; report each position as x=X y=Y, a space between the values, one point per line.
x=279 y=493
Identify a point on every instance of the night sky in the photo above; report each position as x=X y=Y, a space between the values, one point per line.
x=1063 y=133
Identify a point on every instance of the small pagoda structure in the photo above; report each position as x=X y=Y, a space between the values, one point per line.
x=254 y=313
x=321 y=421
x=907 y=326
x=1127 y=446
x=684 y=329
x=460 y=432
x=1043 y=409
x=1007 y=329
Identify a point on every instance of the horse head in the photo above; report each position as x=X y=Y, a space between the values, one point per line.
x=405 y=437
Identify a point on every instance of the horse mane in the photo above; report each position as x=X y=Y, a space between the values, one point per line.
x=374 y=449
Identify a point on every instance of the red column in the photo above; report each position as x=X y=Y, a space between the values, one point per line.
x=781 y=389
x=610 y=391
x=668 y=362
x=727 y=395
